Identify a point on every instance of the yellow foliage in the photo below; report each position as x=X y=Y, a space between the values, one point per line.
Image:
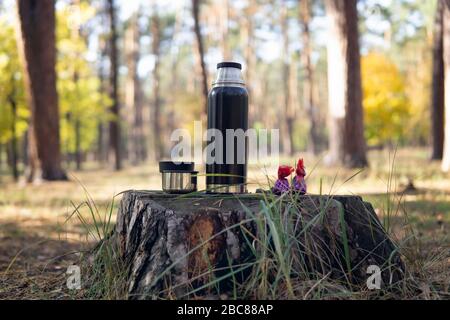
x=81 y=101
x=11 y=86
x=386 y=106
x=418 y=89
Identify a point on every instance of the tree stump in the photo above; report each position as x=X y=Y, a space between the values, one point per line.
x=178 y=243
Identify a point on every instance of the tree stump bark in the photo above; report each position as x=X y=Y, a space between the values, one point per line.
x=176 y=244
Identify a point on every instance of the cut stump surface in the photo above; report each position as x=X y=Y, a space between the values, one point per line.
x=178 y=243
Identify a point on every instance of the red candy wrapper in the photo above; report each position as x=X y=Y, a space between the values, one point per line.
x=299 y=182
x=282 y=184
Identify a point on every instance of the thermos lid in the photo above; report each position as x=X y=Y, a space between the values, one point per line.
x=229 y=65
x=170 y=166
x=229 y=74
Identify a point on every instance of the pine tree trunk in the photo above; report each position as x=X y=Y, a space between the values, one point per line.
x=224 y=12
x=437 y=94
x=114 y=125
x=287 y=116
x=156 y=50
x=78 y=152
x=201 y=53
x=347 y=143
x=1 y=159
x=137 y=144
x=37 y=45
x=102 y=135
x=446 y=35
x=12 y=158
x=248 y=43
x=308 y=89
x=14 y=149
x=175 y=83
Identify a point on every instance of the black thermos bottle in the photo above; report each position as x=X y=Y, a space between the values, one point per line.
x=228 y=109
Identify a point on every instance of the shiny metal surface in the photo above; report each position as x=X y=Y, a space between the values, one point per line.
x=227 y=77
x=227 y=189
x=179 y=182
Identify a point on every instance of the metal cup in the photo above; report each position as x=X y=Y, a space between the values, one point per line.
x=178 y=178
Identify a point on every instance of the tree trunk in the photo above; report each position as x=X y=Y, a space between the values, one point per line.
x=224 y=20
x=75 y=35
x=26 y=152
x=1 y=159
x=446 y=34
x=14 y=150
x=102 y=138
x=156 y=51
x=137 y=144
x=287 y=116
x=114 y=125
x=308 y=82
x=347 y=142
x=248 y=43
x=265 y=103
x=437 y=93
x=37 y=45
x=201 y=53
x=175 y=83
x=78 y=152
x=171 y=246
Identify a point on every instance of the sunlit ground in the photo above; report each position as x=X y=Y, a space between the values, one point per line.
x=37 y=243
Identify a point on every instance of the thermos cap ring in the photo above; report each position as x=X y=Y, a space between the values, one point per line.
x=229 y=65
x=170 y=166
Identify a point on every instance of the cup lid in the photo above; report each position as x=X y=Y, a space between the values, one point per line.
x=229 y=65
x=165 y=166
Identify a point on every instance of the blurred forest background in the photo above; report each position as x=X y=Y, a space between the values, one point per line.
x=129 y=73
x=90 y=92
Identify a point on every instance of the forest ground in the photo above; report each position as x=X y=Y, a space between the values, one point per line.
x=37 y=244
